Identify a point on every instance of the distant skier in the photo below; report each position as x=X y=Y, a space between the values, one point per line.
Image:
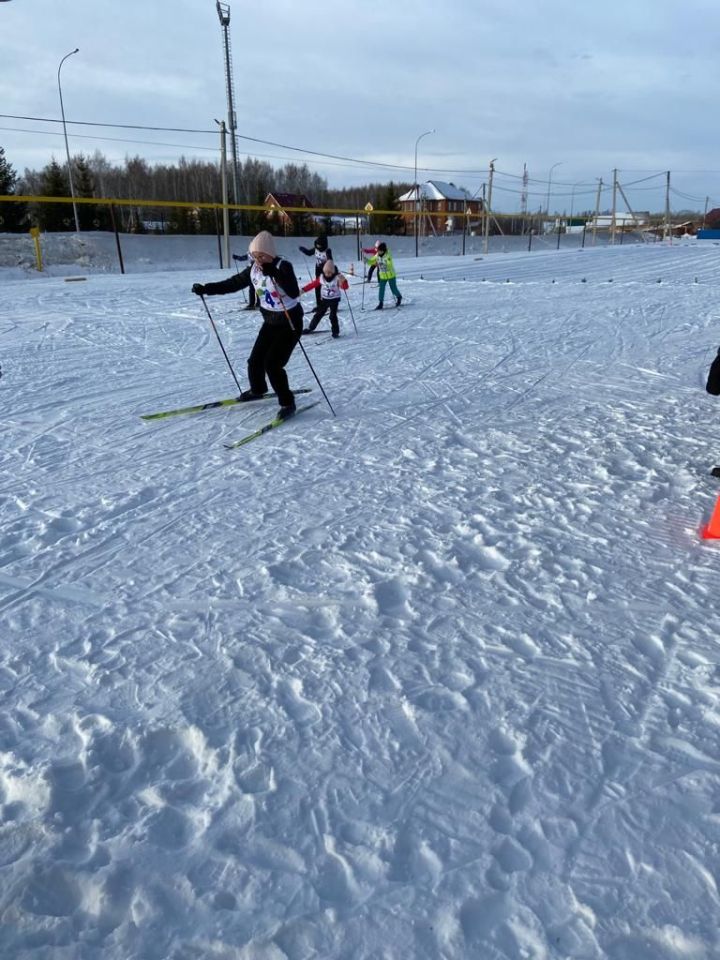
x=323 y=253
x=373 y=268
x=330 y=283
x=278 y=295
x=386 y=274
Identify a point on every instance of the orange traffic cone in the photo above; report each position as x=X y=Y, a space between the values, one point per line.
x=711 y=531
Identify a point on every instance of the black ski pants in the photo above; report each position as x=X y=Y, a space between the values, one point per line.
x=325 y=305
x=271 y=351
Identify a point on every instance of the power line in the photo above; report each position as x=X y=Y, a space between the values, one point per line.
x=326 y=158
x=269 y=143
x=687 y=196
x=162 y=143
x=120 y=126
x=152 y=143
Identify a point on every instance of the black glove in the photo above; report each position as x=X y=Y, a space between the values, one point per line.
x=236 y=257
x=269 y=269
x=198 y=288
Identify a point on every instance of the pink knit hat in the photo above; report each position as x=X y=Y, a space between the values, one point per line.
x=263 y=243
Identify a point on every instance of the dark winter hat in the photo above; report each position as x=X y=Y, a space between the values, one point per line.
x=263 y=243
x=382 y=248
x=321 y=243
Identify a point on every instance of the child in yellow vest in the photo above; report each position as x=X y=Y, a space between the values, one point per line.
x=386 y=274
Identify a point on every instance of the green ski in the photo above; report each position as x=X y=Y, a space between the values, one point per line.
x=277 y=422
x=212 y=405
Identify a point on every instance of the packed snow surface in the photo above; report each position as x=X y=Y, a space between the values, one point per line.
x=436 y=677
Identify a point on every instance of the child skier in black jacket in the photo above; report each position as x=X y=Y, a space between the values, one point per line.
x=323 y=253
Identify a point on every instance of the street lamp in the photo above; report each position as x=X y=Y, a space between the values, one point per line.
x=572 y=202
x=417 y=192
x=547 y=205
x=67 y=148
x=223 y=12
x=580 y=183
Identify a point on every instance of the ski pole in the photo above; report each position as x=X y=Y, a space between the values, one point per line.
x=351 y=312
x=300 y=344
x=237 y=260
x=221 y=343
x=307 y=265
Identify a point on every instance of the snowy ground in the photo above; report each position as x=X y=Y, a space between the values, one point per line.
x=436 y=678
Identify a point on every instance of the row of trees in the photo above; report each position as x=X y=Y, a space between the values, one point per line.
x=12 y=215
x=187 y=181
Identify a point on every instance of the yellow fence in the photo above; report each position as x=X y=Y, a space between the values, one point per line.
x=407 y=213
x=204 y=205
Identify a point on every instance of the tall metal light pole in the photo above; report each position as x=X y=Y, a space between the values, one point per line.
x=547 y=204
x=572 y=202
x=223 y=11
x=67 y=148
x=417 y=191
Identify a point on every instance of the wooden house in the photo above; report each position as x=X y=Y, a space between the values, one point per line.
x=443 y=206
x=279 y=219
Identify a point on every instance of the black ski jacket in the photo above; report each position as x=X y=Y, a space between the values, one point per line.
x=281 y=271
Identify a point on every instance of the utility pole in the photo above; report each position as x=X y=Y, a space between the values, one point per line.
x=597 y=210
x=667 y=204
x=635 y=218
x=524 y=197
x=614 y=207
x=224 y=185
x=488 y=208
x=223 y=10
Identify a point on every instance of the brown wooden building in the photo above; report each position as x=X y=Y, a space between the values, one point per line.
x=278 y=219
x=443 y=206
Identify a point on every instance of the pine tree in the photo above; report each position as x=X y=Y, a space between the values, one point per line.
x=209 y=221
x=54 y=183
x=183 y=221
x=89 y=214
x=388 y=223
x=12 y=214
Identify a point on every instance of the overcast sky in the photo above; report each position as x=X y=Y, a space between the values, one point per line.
x=576 y=86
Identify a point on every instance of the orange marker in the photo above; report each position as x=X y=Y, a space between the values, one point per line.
x=711 y=531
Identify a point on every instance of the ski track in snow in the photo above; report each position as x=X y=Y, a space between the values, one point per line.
x=436 y=678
